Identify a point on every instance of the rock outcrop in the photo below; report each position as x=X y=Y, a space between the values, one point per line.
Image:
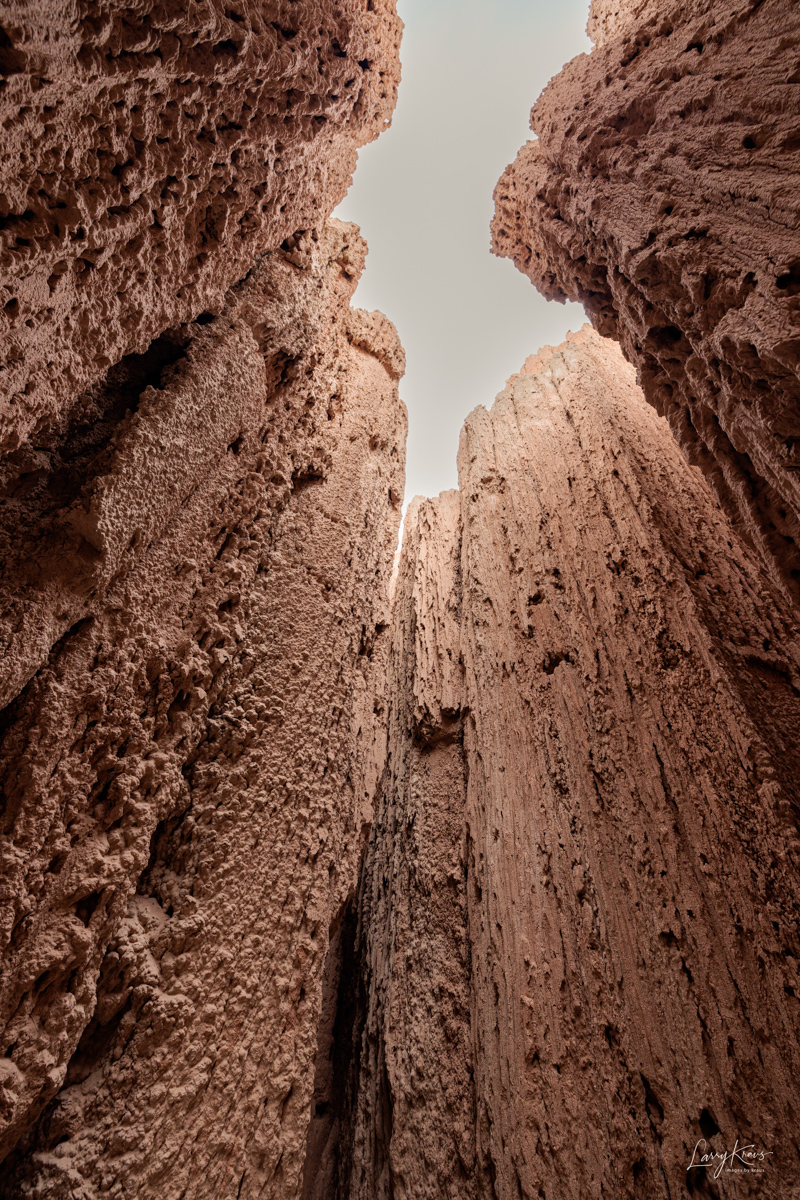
x=150 y=153
x=663 y=193
x=187 y=776
x=575 y=946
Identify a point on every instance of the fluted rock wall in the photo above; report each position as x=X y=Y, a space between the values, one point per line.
x=576 y=948
x=663 y=193
x=187 y=776
x=149 y=153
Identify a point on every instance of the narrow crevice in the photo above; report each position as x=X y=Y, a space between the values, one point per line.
x=336 y=1069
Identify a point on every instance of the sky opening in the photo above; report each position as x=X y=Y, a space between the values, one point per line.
x=422 y=195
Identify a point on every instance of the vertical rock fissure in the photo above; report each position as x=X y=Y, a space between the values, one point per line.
x=336 y=1059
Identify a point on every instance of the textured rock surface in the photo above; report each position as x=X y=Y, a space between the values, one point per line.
x=149 y=152
x=407 y=1113
x=663 y=193
x=187 y=776
x=578 y=923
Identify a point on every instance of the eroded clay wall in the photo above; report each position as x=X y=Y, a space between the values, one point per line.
x=579 y=910
x=149 y=153
x=188 y=775
x=661 y=192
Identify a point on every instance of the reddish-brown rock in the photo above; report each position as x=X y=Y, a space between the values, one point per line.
x=577 y=945
x=187 y=776
x=663 y=193
x=396 y=1113
x=149 y=153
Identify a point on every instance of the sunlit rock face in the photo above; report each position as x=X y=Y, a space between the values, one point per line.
x=663 y=193
x=149 y=152
x=573 y=954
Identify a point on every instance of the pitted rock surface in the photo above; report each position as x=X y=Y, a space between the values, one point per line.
x=576 y=952
x=189 y=772
x=663 y=193
x=150 y=153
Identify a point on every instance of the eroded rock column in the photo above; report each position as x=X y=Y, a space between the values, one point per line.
x=593 y=787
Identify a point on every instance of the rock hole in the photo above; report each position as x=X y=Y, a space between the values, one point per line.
x=12 y=61
x=179 y=705
x=789 y=282
x=708 y=1125
x=653 y=1105
x=304 y=479
x=95 y=1043
x=226 y=49
x=665 y=335
x=87 y=906
x=554 y=659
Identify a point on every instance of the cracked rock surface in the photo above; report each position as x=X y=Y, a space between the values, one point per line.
x=575 y=942
x=662 y=192
x=193 y=737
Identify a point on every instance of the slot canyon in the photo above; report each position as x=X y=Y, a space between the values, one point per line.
x=335 y=868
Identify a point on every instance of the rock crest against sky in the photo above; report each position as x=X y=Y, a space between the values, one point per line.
x=150 y=154
x=663 y=194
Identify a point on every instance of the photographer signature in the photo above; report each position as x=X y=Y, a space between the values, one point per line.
x=750 y=1158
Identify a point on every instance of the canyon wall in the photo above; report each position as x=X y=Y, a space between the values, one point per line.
x=575 y=944
x=202 y=466
x=188 y=778
x=662 y=192
x=488 y=894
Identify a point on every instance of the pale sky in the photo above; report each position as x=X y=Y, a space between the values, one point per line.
x=422 y=195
